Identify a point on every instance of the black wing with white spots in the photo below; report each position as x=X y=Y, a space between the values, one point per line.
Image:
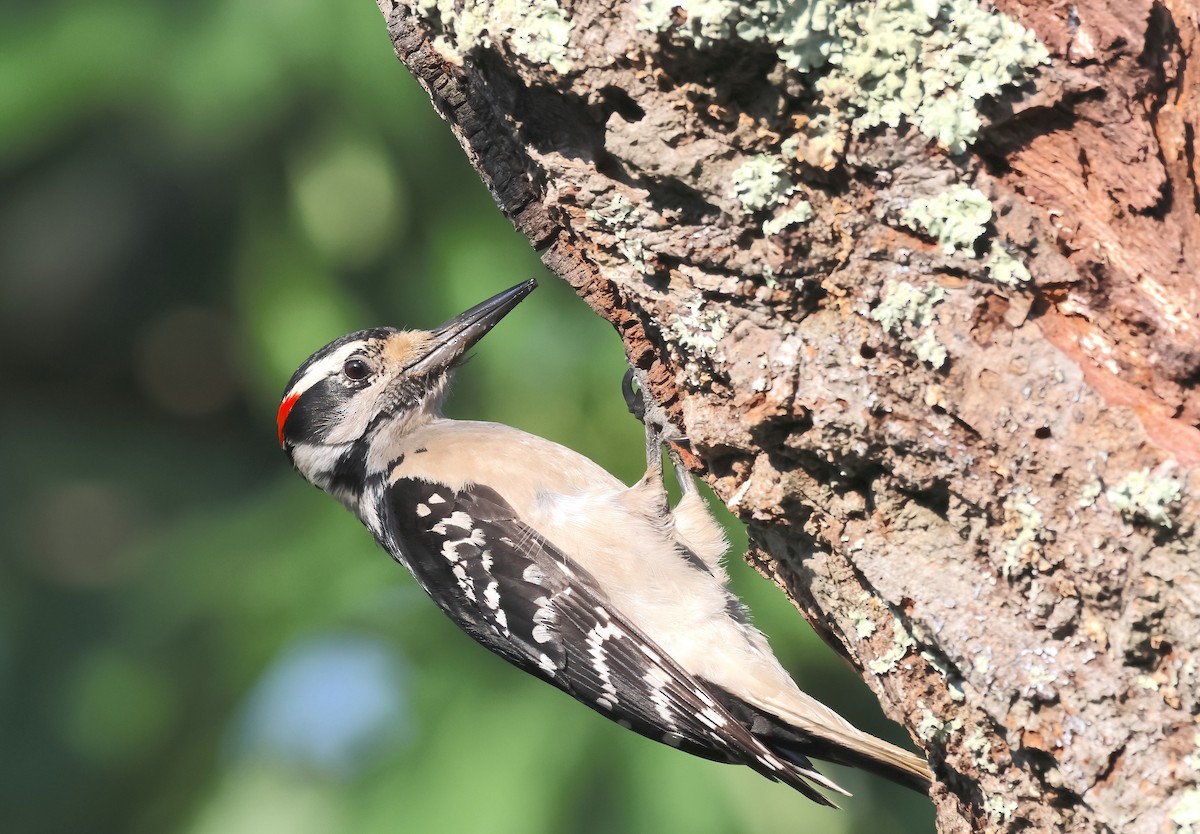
x=518 y=595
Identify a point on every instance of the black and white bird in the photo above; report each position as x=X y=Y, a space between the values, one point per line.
x=546 y=559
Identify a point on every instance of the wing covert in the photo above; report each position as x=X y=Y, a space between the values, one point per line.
x=516 y=593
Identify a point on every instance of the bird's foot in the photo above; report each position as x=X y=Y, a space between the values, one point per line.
x=660 y=431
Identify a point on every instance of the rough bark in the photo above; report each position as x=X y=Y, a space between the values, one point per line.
x=954 y=395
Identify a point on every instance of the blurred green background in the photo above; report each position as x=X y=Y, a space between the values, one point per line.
x=194 y=197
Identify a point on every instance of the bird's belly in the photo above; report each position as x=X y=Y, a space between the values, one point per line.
x=644 y=576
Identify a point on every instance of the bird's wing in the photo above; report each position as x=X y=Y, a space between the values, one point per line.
x=522 y=598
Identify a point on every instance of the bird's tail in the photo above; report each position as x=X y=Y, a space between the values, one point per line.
x=817 y=732
x=870 y=754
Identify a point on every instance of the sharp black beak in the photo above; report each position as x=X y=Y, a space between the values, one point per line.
x=455 y=337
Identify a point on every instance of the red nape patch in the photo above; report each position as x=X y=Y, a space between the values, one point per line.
x=285 y=408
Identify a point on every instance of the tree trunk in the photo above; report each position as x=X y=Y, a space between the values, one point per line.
x=919 y=282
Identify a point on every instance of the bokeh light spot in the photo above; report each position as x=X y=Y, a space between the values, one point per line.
x=183 y=362
x=83 y=533
x=332 y=703
x=115 y=708
x=347 y=197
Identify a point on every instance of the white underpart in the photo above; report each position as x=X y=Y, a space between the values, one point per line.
x=318 y=458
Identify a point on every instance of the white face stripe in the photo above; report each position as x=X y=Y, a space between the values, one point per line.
x=347 y=415
x=325 y=367
x=348 y=422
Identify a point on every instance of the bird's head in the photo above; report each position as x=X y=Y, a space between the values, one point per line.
x=374 y=380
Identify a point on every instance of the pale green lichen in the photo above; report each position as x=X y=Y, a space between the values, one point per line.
x=953 y=681
x=902 y=641
x=802 y=31
x=700 y=331
x=957 y=217
x=1147 y=682
x=1089 y=493
x=1187 y=675
x=621 y=211
x=906 y=304
x=999 y=809
x=634 y=251
x=931 y=728
x=1193 y=760
x=1023 y=546
x=1185 y=813
x=864 y=626
x=1005 y=268
x=939 y=664
x=800 y=213
x=621 y=217
x=929 y=62
x=929 y=349
x=1039 y=676
x=538 y=30
x=927 y=725
x=762 y=182
x=908 y=307
x=980 y=748
x=1151 y=497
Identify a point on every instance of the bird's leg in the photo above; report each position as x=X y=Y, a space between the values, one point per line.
x=694 y=529
x=640 y=406
x=683 y=475
x=660 y=431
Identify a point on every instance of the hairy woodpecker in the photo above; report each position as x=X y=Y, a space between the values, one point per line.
x=549 y=561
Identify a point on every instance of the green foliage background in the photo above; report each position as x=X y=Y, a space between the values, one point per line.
x=194 y=197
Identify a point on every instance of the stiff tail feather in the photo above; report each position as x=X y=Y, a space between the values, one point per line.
x=799 y=737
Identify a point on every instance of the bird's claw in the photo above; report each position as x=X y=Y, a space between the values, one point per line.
x=634 y=397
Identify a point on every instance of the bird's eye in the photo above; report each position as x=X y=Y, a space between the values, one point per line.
x=356 y=369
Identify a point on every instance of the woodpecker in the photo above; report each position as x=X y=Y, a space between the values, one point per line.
x=600 y=589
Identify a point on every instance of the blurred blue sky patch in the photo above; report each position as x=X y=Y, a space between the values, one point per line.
x=334 y=703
